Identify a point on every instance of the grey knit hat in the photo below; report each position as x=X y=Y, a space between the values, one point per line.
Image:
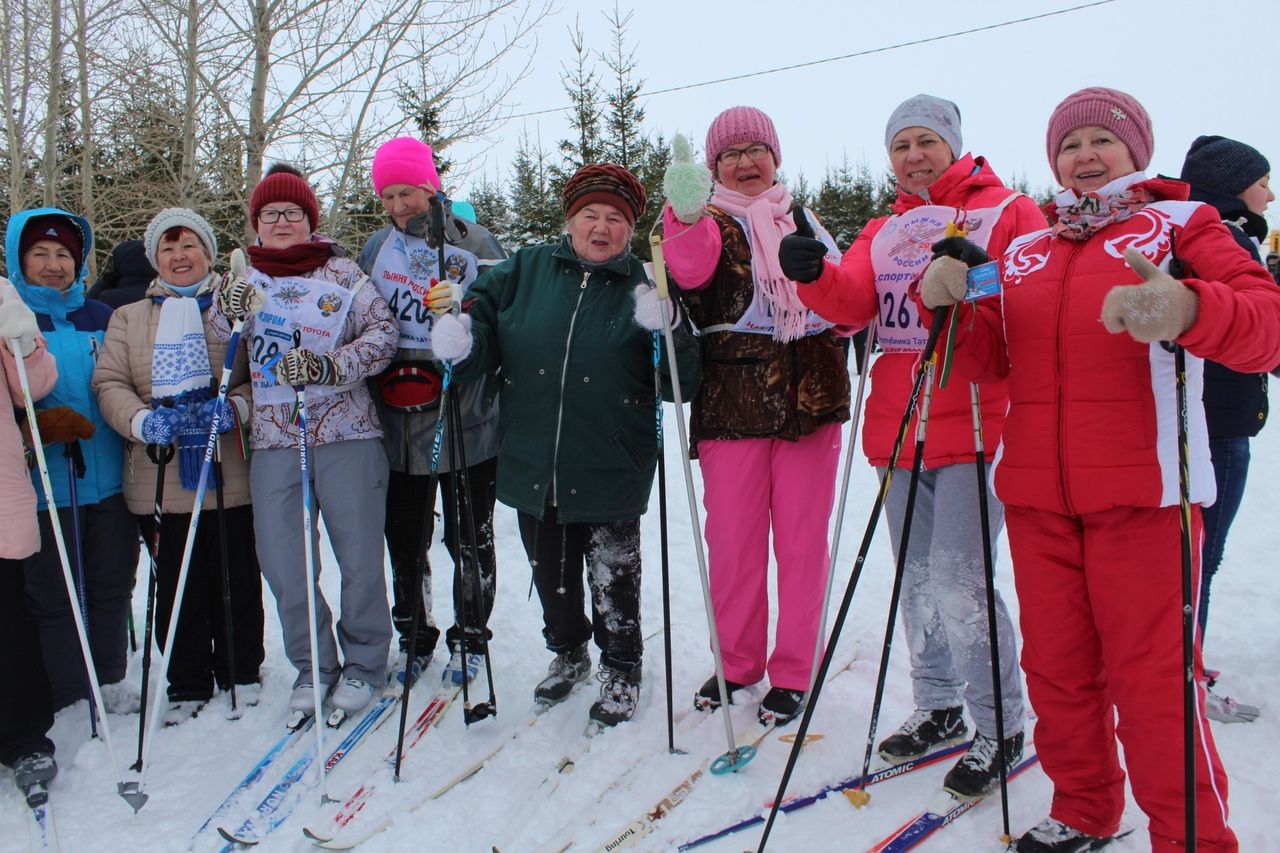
x=178 y=217
x=939 y=115
x=1223 y=165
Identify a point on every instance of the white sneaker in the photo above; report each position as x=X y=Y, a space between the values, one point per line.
x=179 y=712
x=1224 y=709
x=121 y=697
x=301 y=698
x=352 y=694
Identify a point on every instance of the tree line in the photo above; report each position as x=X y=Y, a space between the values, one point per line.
x=120 y=107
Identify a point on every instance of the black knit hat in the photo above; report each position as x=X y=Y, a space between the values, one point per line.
x=1223 y=165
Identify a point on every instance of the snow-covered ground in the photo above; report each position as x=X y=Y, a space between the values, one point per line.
x=194 y=765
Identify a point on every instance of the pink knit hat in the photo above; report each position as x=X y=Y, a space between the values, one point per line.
x=404 y=160
x=1110 y=108
x=737 y=125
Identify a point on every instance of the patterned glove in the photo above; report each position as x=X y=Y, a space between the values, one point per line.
x=161 y=425
x=304 y=367
x=225 y=421
x=1160 y=309
x=237 y=297
x=686 y=184
x=17 y=321
x=442 y=296
x=451 y=337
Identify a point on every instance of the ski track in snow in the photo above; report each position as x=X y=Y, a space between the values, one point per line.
x=197 y=763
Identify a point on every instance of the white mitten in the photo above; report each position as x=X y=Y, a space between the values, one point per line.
x=1160 y=309
x=451 y=337
x=649 y=308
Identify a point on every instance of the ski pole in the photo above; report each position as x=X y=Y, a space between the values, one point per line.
x=845 y=477
x=133 y=634
x=860 y=797
x=464 y=508
x=462 y=499
x=15 y=347
x=309 y=565
x=935 y=329
x=137 y=795
x=737 y=756
x=160 y=456
x=228 y=629
x=419 y=574
x=1176 y=269
x=664 y=551
x=989 y=575
x=75 y=464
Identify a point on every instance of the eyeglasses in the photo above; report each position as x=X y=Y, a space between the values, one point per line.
x=731 y=156
x=291 y=214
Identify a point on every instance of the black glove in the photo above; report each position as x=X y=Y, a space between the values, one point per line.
x=971 y=254
x=800 y=255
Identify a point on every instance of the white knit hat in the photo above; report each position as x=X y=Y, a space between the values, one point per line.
x=178 y=217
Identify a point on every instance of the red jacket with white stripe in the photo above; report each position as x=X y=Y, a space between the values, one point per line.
x=1092 y=420
x=847 y=294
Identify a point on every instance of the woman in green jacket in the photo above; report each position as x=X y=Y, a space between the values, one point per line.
x=570 y=328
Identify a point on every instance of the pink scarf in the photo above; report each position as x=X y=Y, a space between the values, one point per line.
x=768 y=217
x=1079 y=217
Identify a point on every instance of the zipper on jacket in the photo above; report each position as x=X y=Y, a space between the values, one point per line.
x=1062 y=380
x=564 y=376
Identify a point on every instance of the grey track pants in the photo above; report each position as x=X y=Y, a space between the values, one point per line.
x=944 y=604
x=349 y=488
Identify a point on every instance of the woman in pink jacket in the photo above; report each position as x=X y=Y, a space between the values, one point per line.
x=26 y=701
x=1088 y=467
x=944 y=590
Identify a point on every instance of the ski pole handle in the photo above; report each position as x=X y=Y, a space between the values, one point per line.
x=659 y=266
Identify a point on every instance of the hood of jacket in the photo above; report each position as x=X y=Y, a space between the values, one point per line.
x=44 y=300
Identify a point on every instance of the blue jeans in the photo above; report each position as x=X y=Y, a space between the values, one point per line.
x=1230 y=468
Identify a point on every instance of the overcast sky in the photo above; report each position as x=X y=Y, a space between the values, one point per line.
x=1211 y=66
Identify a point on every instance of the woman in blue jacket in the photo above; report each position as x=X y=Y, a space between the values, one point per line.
x=51 y=248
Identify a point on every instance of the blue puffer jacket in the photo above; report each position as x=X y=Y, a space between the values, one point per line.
x=73 y=328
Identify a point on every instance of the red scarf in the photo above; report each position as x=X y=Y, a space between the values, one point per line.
x=298 y=259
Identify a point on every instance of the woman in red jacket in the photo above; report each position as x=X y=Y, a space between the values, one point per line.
x=1088 y=467
x=943 y=588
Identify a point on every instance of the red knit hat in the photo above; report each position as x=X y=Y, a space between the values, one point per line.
x=607 y=184
x=59 y=229
x=284 y=183
x=737 y=125
x=1110 y=108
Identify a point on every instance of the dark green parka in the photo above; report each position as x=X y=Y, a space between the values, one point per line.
x=577 y=405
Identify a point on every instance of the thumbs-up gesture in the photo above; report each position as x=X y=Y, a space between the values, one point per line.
x=686 y=184
x=799 y=254
x=1160 y=309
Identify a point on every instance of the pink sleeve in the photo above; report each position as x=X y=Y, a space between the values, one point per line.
x=42 y=372
x=692 y=252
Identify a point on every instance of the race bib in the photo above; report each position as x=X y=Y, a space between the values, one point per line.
x=901 y=250
x=306 y=312
x=404 y=271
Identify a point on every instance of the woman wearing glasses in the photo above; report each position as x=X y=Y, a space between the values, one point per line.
x=315 y=320
x=765 y=424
